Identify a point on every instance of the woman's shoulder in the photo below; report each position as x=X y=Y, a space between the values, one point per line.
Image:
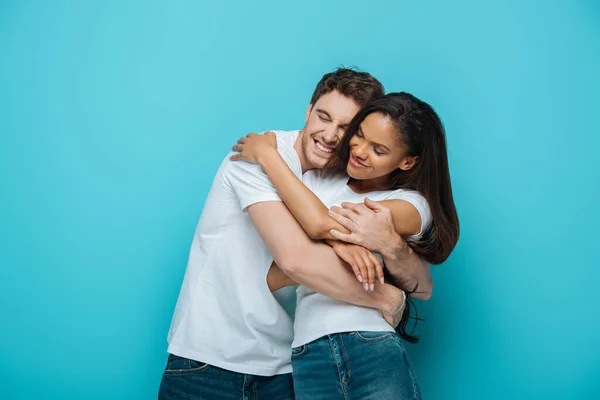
x=403 y=194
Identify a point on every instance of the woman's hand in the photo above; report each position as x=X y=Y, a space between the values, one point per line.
x=370 y=225
x=252 y=146
x=365 y=265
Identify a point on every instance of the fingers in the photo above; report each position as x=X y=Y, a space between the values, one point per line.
x=354 y=265
x=343 y=218
x=370 y=267
x=236 y=157
x=352 y=259
x=363 y=273
x=378 y=268
x=344 y=237
x=373 y=205
x=351 y=207
x=238 y=147
x=242 y=140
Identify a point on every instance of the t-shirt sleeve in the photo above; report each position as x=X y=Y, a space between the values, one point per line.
x=419 y=202
x=250 y=184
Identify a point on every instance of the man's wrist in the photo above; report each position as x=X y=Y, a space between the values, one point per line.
x=395 y=249
x=392 y=301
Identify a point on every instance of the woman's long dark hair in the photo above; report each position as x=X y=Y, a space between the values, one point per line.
x=420 y=129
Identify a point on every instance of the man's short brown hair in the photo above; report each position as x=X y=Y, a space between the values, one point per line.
x=362 y=87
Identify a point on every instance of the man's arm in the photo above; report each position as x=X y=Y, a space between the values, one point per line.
x=309 y=263
x=315 y=264
x=372 y=226
x=408 y=271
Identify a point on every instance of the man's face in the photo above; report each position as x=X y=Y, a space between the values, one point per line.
x=326 y=122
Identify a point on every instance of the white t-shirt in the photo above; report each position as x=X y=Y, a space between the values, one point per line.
x=318 y=315
x=225 y=314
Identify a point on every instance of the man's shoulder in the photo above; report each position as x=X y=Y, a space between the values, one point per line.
x=286 y=141
x=251 y=171
x=286 y=138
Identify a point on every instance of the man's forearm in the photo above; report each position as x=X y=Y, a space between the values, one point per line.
x=409 y=272
x=320 y=269
x=314 y=264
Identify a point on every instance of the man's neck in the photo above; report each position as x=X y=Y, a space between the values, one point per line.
x=298 y=147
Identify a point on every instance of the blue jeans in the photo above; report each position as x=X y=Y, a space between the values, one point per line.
x=189 y=379
x=354 y=365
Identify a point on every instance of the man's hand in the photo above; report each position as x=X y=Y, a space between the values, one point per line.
x=370 y=225
x=252 y=146
x=394 y=317
x=365 y=265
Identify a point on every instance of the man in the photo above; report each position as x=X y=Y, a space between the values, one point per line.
x=230 y=338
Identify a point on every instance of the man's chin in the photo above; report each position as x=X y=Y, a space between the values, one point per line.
x=319 y=162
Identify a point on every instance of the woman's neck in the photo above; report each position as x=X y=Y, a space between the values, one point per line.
x=369 y=185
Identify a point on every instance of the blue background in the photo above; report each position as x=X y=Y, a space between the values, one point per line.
x=114 y=116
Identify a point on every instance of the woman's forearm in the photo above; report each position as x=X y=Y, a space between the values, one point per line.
x=304 y=205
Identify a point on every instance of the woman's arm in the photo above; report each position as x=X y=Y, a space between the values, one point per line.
x=376 y=226
x=374 y=223
x=314 y=216
x=304 y=205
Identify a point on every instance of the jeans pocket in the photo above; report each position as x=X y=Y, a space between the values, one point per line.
x=373 y=336
x=299 y=351
x=180 y=365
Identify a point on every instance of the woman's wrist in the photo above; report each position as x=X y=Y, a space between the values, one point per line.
x=267 y=156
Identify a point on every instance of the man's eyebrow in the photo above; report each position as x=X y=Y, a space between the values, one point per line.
x=319 y=110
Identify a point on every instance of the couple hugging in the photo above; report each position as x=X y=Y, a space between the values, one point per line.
x=350 y=211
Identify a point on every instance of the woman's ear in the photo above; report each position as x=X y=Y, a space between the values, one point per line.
x=408 y=163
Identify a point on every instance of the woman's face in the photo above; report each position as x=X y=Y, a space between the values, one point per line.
x=375 y=149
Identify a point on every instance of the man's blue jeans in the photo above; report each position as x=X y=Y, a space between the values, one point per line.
x=354 y=366
x=189 y=379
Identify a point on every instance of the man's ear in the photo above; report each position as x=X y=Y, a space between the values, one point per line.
x=308 y=110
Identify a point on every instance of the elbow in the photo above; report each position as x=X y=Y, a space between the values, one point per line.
x=314 y=234
x=295 y=262
x=289 y=264
x=424 y=296
x=426 y=292
x=319 y=229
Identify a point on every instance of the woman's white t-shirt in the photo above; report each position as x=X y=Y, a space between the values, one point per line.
x=318 y=315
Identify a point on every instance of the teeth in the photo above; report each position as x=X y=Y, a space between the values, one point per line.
x=323 y=148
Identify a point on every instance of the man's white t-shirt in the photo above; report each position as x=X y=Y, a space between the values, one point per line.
x=225 y=314
x=318 y=315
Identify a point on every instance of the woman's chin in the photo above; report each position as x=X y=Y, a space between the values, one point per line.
x=354 y=174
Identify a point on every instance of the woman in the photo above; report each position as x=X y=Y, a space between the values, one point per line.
x=394 y=151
